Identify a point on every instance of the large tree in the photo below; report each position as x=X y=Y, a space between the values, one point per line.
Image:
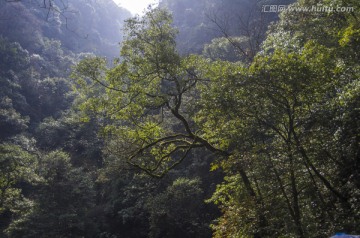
x=282 y=128
x=145 y=100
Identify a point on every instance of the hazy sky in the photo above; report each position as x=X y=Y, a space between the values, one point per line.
x=135 y=6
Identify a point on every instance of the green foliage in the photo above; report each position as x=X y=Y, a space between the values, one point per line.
x=123 y=210
x=69 y=133
x=268 y=121
x=19 y=21
x=81 y=25
x=62 y=202
x=133 y=204
x=282 y=125
x=135 y=96
x=33 y=86
x=226 y=49
x=13 y=59
x=283 y=117
x=168 y=218
x=10 y=119
x=15 y=166
x=238 y=215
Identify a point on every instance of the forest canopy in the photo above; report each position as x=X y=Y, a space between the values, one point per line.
x=227 y=123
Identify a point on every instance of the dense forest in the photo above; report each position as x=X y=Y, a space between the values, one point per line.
x=206 y=118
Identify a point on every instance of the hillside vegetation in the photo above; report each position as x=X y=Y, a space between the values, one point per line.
x=198 y=119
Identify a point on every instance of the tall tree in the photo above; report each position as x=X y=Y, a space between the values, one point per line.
x=148 y=100
x=142 y=99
